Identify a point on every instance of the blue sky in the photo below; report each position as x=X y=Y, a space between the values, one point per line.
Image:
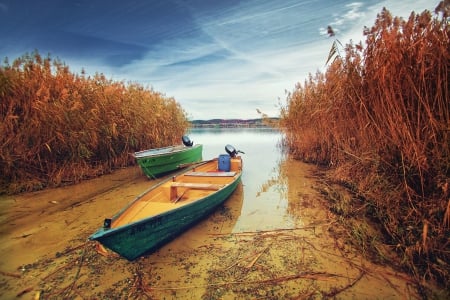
x=218 y=59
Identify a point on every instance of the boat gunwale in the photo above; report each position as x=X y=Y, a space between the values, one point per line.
x=105 y=233
x=158 y=151
x=102 y=232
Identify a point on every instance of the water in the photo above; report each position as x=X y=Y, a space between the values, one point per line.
x=237 y=252
x=265 y=204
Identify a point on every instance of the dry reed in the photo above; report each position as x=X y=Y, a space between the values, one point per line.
x=58 y=127
x=380 y=118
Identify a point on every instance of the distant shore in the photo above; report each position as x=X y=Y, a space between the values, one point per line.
x=235 y=123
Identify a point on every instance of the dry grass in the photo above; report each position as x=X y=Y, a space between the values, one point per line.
x=380 y=118
x=58 y=127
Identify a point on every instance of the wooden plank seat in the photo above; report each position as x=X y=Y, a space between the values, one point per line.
x=211 y=174
x=191 y=185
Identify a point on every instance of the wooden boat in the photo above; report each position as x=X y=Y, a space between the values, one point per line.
x=160 y=161
x=170 y=207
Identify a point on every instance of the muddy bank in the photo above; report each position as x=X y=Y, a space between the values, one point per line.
x=45 y=251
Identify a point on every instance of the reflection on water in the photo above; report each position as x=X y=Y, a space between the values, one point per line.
x=265 y=204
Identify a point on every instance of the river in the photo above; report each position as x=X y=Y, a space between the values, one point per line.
x=272 y=239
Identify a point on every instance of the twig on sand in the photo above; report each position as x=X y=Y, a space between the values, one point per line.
x=257 y=256
x=303 y=275
x=139 y=286
x=10 y=274
x=70 y=287
x=23 y=292
x=64 y=292
x=67 y=251
x=336 y=291
x=267 y=232
x=60 y=268
x=67 y=265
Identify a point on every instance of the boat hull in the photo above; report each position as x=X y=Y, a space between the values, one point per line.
x=157 y=162
x=169 y=208
x=146 y=236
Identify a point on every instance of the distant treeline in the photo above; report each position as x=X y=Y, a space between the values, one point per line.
x=260 y=122
x=57 y=127
x=379 y=117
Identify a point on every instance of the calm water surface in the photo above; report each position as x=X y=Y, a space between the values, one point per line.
x=265 y=202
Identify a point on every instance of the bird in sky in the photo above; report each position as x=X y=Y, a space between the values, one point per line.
x=330 y=31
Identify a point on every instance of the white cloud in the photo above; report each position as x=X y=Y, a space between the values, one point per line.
x=368 y=16
x=258 y=50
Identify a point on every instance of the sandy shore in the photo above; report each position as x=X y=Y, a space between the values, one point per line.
x=45 y=252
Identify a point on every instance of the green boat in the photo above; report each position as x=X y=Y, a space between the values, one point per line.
x=171 y=207
x=159 y=161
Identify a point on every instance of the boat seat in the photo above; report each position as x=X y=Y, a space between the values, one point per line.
x=211 y=174
x=191 y=185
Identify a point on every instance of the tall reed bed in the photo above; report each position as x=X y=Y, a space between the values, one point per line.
x=58 y=127
x=380 y=118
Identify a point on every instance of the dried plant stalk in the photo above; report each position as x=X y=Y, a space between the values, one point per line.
x=58 y=127
x=380 y=117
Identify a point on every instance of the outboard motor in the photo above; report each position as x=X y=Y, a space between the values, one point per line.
x=187 y=141
x=224 y=160
x=232 y=151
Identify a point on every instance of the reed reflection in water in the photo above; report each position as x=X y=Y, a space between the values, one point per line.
x=265 y=201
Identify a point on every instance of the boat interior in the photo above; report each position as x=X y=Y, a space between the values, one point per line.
x=200 y=180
